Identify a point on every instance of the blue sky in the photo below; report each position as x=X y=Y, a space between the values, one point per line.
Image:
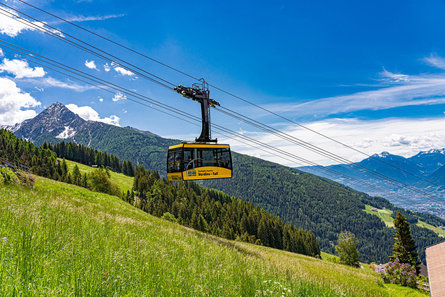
x=369 y=73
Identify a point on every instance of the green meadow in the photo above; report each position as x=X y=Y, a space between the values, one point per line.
x=385 y=216
x=124 y=182
x=62 y=240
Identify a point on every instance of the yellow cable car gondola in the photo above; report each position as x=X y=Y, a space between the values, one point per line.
x=192 y=161
x=204 y=158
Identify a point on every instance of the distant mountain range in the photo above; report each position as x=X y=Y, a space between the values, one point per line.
x=308 y=201
x=425 y=171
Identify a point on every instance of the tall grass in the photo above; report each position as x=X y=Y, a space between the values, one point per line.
x=63 y=240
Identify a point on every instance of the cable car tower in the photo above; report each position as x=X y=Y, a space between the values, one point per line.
x=204 y=158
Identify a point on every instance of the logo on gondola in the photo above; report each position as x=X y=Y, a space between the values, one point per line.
x=191 y=173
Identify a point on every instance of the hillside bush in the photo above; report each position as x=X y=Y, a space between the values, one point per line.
x=99 y=181
x=7 y=176
x=26 y=179
x=169 y=217
x=403 y=274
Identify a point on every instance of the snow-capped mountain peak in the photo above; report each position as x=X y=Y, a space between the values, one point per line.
x=57 y=120
x=381 y=155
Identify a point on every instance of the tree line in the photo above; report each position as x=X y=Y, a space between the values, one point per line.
x=43 y=161
x=88 y=156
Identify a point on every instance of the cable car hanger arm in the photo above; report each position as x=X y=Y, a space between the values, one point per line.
x=200 y=93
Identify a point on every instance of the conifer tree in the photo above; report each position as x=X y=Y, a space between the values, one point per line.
x=404 y=247
x=125 y=167
x=84 y=181
x=64 y=169
x=68 y=178
x=77 y=176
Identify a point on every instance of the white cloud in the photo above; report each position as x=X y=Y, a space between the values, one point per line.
x=404 y=137
x=21 y=69
x=107 y=67
x=394 y=77
x=123 y=71
x=11 y=26
x=90 y=64
x=1 y=53
x=55 y=83
x=101 y=99
x=42 y=28
x=15 y=105
x=81 y=18
x=89 y=114
x=119 y=97
x=435 y=61
x=397 y=90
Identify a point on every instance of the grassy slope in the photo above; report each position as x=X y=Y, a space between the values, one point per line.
x=124 y=182
x=385 y=216
x=59 y=240
x=436 y=230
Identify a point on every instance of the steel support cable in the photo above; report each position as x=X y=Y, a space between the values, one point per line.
x=111 y=58
x=86 y=49
x=283 y=135
x=347 y=161
x=300 y=159
x=110 y=40
x=152 y=101
x=324 y=135
x=195 y=118
x=320 y=151
x=306 y=145
x=228 y=93
x=103 y=83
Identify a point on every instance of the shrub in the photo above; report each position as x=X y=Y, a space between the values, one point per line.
x=7 y=176
x=99 y=181
x=169 y=217
x=422 y=282
x=26 y=179
x=400 y=273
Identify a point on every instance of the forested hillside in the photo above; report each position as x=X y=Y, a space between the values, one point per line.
x=217 y=213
